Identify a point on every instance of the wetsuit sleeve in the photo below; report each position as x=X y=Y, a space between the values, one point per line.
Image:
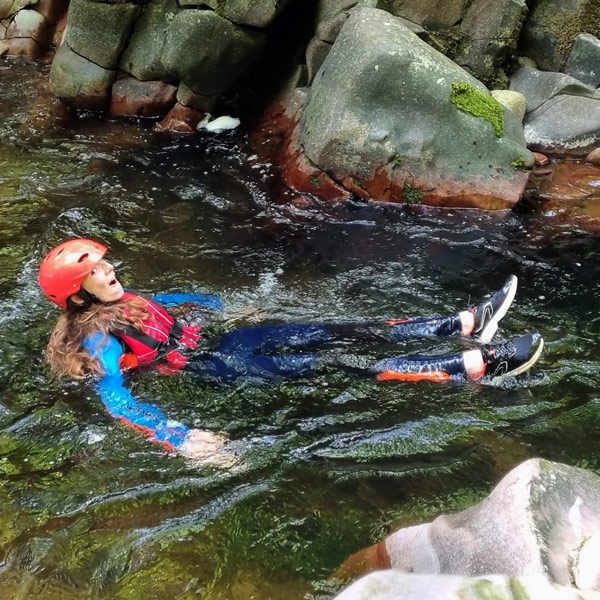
x=206 y=300
x=120 y=402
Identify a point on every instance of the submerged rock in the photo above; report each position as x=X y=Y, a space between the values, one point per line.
x=392 y=119
x=535 y=522
x=395 y=585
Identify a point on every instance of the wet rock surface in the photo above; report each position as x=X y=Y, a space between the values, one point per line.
x=349 y=126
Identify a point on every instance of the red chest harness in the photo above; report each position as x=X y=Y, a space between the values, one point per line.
x=162 y=334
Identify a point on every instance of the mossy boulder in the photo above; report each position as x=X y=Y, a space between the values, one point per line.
x=254 y=13
x=80 y=82
x=99 y=31
x=386 y=108
x=142 y=57
x=207 y=52
x=552 y=28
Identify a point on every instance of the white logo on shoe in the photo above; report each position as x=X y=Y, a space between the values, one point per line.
x=502 y=368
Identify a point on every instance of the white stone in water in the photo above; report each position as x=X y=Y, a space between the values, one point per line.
x=219 y=124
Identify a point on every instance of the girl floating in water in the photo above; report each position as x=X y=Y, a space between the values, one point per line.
x=107 y=330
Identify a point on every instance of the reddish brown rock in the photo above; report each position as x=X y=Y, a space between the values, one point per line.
x=593 y=157
x=567 y=191
x=540 y=159
x=21 y=47
x=131 y=97
x=180 y=119
x=303 y=177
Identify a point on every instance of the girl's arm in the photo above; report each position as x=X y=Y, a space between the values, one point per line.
x=200 y=447
x=122 y=405
x=206 y=300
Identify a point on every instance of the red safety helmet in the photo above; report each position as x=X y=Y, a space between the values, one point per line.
x=66 y=266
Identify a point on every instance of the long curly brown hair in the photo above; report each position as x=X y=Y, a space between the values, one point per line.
x=65 y=352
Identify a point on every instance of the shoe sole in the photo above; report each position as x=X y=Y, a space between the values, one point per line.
x=525 y=366
x=490 y=329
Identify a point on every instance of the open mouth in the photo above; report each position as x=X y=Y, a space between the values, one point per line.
x=113 y=282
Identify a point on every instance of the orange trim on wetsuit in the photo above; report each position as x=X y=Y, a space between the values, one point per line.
x=438 y=376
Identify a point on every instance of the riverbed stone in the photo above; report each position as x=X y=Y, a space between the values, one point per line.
x=142 y=57
x=131 y=97
x=254 y=13
x=99 y=31
x=80 y=82
x=564 y=124
x=180 y=119
x=379 y=120
x=540 y=86
x=584 y=60
x=514 y=101
x=552 y=28
x=10 y=7
x=207 y=52
x=395 y=585
x=28 y=23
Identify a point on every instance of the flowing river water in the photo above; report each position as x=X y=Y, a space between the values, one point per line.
x=331 y=463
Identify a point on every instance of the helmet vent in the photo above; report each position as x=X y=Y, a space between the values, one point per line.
x=52 y=295
x=61 y=250
x=83 y=257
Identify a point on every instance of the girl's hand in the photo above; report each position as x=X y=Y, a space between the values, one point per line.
x=204 y=448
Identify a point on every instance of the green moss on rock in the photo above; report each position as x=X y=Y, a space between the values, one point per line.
x=411 y=194
x=469 y=99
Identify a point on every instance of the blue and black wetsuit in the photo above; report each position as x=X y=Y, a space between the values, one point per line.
x=269 y=351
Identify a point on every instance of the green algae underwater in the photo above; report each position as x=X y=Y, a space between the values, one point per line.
x=330 y=464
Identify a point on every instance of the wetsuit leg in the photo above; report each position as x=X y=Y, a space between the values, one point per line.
x=417 y=368
x=394 y=331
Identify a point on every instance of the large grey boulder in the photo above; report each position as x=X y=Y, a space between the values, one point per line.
x=477 y=34
x=99 y=31
x=80 y=82
x=142 y=57
x=207 y=52
x=537 y=521
x=394 y=585
x=379 y=119
x=553 y=26
x=492 y=30
x=539 y=86
x=564 y=124
x=563 y=114
x=254 y=13
x=584 y=60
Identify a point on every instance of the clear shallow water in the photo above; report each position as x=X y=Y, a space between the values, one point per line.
x=332 y=463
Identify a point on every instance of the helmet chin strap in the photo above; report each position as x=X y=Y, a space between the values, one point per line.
x=88 y=300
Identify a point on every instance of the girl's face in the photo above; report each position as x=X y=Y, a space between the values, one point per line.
x=102 y=283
